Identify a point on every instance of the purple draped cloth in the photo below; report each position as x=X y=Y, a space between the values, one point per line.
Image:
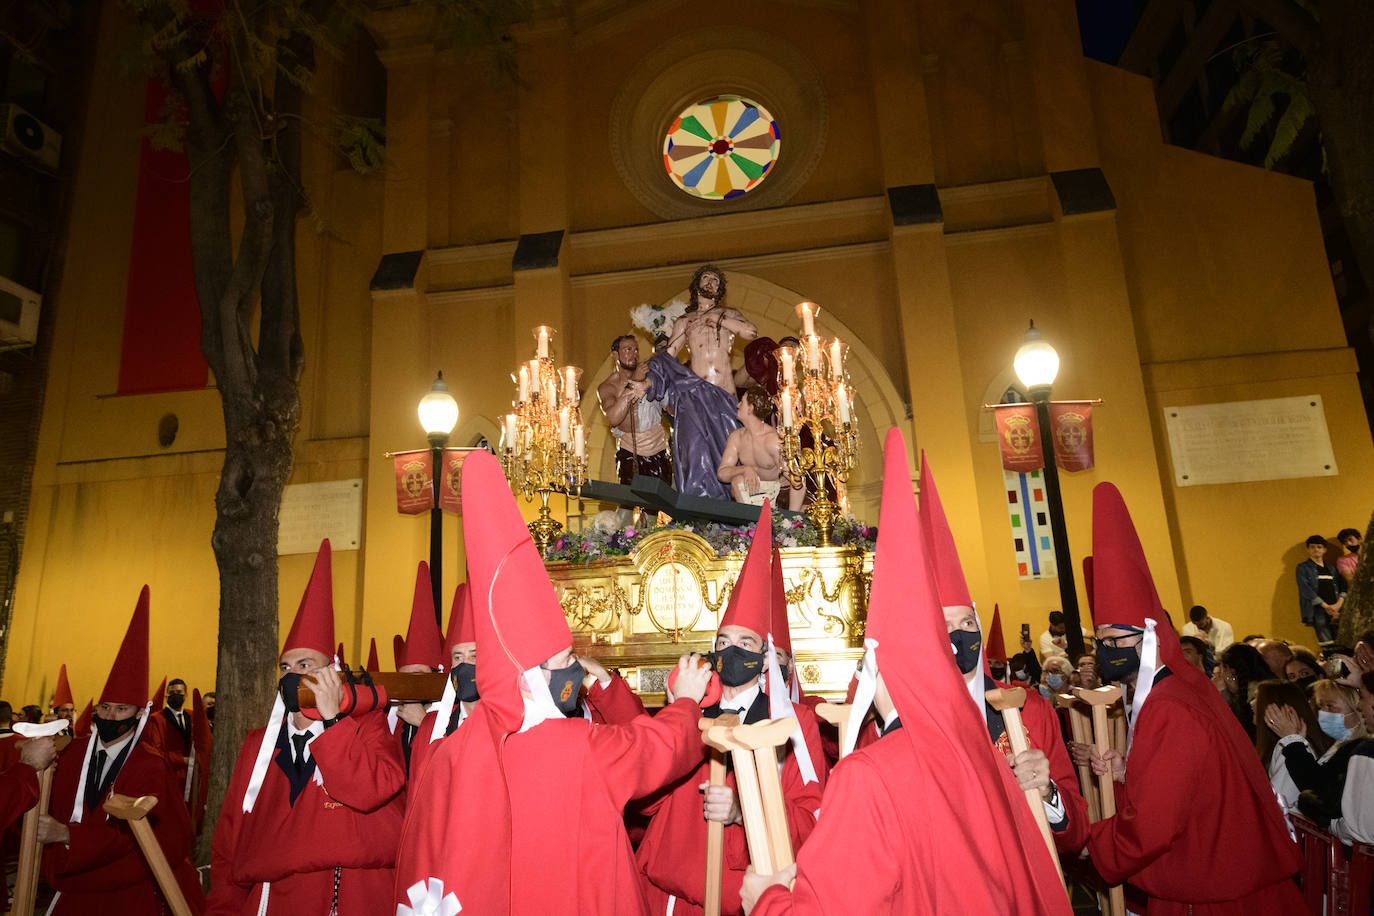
x=703 y=418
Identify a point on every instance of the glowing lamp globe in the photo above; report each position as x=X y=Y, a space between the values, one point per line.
x=1036 y=363
x=438 y=412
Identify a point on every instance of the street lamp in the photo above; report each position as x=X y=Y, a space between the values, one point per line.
x=438 y=415
x=1036 y=364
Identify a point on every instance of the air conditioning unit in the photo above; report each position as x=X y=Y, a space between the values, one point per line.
x=30 y=139
x=19 y=308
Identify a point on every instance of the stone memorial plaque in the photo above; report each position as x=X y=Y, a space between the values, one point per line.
x=1241 y=441
x=674 y=596
x=311 y=512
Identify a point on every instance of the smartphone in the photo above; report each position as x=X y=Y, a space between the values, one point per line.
x=1025 y=632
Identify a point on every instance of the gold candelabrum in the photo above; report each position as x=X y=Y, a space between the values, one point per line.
x=543 y=442
x=815 y=396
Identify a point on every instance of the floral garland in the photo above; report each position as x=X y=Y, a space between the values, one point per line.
x=595 y=543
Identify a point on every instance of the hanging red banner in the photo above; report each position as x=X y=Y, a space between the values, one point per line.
x=1072 y=424
x=451 y=479
x=1018 y=433
x=414 y=482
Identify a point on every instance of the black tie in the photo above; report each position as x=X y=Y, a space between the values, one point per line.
x=300 y=742
x=100 y=758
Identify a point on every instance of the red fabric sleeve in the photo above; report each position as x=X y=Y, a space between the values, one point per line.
x=1152 y=805
x=614 y=704
x=360 y=761
x=648 y=752
x=18 y=793
x=227 y=897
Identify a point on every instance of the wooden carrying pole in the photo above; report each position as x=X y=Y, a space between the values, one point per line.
x=759 y=788
x=837 y=714
x=1080 y=726
x=715 y=830
x=135 y=811
x=1009 y=702
x=1101 y=701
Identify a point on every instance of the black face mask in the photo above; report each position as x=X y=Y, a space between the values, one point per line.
x=110 y=729
x=1117 y=663
x=1305 y=682
x=967 y=645
x=465 y=682
x=999 y=672
x=210 y=713
x=564 y=684
x=736 y=665
x=175 y=700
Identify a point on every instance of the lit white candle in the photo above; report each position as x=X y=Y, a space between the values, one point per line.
x=535 y=385
x=813 y=348
x=570 y=383
x=836 y=356
x=787 y=408
x=543 y=348
x=563 y=426
x=579 y=441
x=511 y=442
x=524 y=384
x=789 y=372
x=808 y=312
x=842 y=402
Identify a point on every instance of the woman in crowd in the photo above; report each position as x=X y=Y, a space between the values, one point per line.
x=1303 y=667
x=1289 y=721
x=1056 y=676
x=1239 y=667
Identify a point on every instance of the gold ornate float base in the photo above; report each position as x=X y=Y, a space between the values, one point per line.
x=640 y=612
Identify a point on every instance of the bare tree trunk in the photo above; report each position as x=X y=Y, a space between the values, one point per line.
x=1357 y=614
x=258 y=388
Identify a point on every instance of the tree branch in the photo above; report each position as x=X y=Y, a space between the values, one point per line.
x=1293 y=23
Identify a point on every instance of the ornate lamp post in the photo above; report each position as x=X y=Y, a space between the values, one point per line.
x=1037 y=364
x=543 y=443
x=814 y=395
x=438 y=415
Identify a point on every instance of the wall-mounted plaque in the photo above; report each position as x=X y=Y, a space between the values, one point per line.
x=311 y=512
x=1240 y=441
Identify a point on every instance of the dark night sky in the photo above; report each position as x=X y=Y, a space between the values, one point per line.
x=1106 y=25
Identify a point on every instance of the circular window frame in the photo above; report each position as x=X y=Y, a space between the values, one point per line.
x=769 y=123
x=700 y=65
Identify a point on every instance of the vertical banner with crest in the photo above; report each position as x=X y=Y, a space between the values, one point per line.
x=451 y=479
x=1071 y=423
x=414 y=482
x=1018 y=434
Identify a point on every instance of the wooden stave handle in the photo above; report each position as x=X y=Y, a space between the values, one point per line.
x=1016 y=737
x=25 y=892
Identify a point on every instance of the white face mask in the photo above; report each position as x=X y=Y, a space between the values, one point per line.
x=1333 y=724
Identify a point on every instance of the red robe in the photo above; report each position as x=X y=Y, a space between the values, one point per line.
x=672 y=855
x=559 y=848
x=1189 y=830
x=614 y=704
x=352 y=822
x=887 y=842
x=164 y=737
x=18 y=793
x=101 y=869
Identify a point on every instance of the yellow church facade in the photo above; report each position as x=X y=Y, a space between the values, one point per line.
x=944 y=172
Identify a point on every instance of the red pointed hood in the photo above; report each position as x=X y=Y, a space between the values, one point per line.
x=62 y=693
x=751 y=600
x=82 y=726
x=128 y=680
x=782 y=631
x=462 y=626
x=424 y=644
x=945 y=738
x=160 y=695
x=519 y=621
x=373 y=663
x=398 y=650
x=950 y=586
x=996 y=644
x=313 y=627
